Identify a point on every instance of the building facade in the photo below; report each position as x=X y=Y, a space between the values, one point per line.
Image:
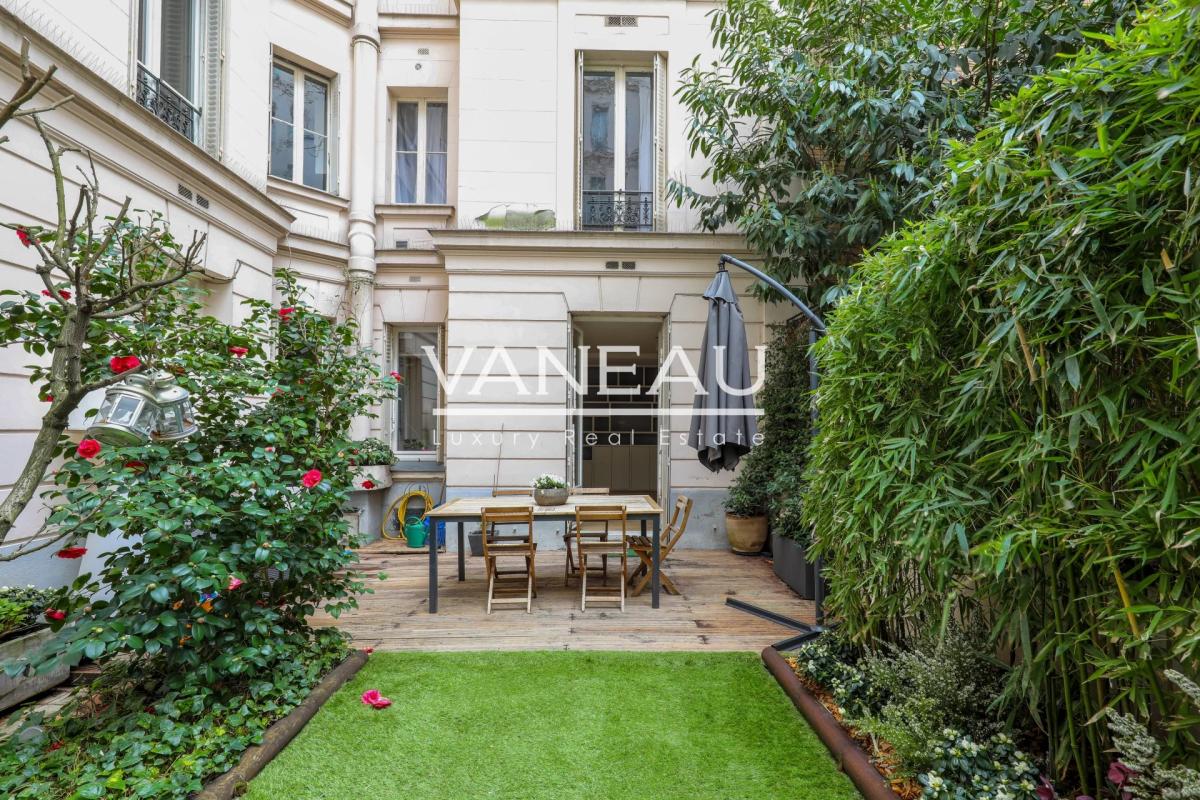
x=457 y=176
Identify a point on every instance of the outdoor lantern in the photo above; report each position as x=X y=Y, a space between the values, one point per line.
x=148 y=405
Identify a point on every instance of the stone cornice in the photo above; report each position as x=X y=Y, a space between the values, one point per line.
x=605 y=242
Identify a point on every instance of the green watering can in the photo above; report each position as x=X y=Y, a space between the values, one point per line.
x=415 y=532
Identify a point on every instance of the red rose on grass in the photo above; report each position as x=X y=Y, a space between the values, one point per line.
x=368 y=484
x=239 y=352
x=368 y=650
x=71 y=552
x=286 y=312
x=374 y=699
x=311 y=478
x=55 y=615
x=119 y=364
x=88 y=448
x=23 y=235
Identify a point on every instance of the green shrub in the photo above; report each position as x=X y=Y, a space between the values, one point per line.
x=1009 y=417
x=963 y=769
x=372 y=452
x=21 y=606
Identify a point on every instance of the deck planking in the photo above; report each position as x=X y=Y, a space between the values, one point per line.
x=396 y=616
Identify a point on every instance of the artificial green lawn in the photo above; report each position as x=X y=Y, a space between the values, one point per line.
x=557 y=725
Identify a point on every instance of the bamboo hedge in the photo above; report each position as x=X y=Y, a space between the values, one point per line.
x=1010 y=402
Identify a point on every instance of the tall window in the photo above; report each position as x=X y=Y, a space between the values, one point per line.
x=299 y=126
x=169 y=43
x=417 y=395
x=617 y=148
x=421 y=141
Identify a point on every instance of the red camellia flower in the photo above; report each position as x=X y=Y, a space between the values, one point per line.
x=55 y=615
x=88 y=448
x=368 y=484
x=63 y=293
x=311 y=478
x=23 y=235
x=54 y=746
x=397 y=376
x=375 y=700
x=234 y=582
x=71 y=552
x=119 y=364
x=368 y=650
x=286 y=312
x=239 y=351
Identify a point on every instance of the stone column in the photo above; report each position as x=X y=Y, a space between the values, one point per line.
x=360 y=269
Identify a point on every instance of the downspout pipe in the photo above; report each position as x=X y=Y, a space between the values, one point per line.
x=815 y=331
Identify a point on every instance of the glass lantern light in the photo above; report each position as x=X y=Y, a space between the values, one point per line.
x=148 y=405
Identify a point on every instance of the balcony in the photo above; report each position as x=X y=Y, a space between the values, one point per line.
x=615 y=210
x=167 y=104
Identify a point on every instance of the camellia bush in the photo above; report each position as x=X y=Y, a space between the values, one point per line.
x=1010 y=403
x=225 y=544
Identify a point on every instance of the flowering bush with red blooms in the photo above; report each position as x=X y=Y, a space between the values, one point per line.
x=252 y=502
x=119 y=364
x=88 y=448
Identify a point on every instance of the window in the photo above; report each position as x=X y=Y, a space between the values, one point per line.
x=169 y=44
x=421 y=141
x=299 y=126
x=417 y=395
x=620 y=139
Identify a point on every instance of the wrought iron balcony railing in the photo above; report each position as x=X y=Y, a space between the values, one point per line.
x=607 y=210
x=167 y=104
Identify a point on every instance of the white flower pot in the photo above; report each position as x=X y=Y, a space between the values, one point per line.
x=378 y=474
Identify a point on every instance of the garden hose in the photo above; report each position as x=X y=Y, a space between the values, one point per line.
x=400 y=509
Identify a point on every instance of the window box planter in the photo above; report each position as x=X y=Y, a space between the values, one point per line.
x=747 y=535
x=378 y=474
x=21 y=688
x=793 y=567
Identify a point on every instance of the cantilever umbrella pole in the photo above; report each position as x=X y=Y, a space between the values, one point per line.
x=816 y=330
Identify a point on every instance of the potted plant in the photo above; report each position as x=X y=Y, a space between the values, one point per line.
x=22 y=633
x=374 y=459
x=790 y=539
x=745 y=520
x=550 y=490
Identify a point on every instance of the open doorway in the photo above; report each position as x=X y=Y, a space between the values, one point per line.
x=616 y=423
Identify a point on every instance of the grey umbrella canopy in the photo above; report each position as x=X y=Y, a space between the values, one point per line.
x=723 y=425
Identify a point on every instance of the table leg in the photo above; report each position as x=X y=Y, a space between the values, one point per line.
x=654 y=587
x=433 y=578
x=462 y=556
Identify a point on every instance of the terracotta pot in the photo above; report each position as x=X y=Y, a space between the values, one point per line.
x=746 y=534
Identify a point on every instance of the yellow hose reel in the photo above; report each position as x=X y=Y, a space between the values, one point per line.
x=400 y=510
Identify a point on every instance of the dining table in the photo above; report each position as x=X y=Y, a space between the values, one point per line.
x=639 y=508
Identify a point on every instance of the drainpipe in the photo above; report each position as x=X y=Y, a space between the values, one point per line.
x=360 y=269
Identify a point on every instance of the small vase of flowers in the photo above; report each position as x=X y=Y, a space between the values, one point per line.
x=550 y=490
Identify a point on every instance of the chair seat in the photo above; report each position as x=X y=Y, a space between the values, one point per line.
x=521 y=548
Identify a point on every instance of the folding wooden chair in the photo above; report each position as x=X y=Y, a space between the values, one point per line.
x=509 y=547
x=614 y=543
x=599 y=531
x=643 y=548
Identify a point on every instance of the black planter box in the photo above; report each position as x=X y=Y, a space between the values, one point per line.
x=792 y=566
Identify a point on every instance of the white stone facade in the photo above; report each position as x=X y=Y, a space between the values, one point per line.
x=409 y=121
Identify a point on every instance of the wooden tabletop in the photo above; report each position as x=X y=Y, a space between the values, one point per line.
x=471 y=507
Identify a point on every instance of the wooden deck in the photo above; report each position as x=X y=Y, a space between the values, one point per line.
x=396 y=616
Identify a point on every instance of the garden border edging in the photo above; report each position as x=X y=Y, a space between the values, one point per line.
x=849 y=757
x=281 y=733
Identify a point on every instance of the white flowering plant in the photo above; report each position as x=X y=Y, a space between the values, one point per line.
x=548 y=481
x=964 y=769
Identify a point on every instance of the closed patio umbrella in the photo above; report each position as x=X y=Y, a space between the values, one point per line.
x=723 y=425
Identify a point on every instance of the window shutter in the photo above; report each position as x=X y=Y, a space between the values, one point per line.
x=333 y=184
x=212 y=68
x=578 y=139
x=660 y=142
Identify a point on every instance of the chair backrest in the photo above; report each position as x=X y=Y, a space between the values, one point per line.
x=679 y=521
x=592 y=516
x=505 y=515
x=589 y=490
x=512 y=492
